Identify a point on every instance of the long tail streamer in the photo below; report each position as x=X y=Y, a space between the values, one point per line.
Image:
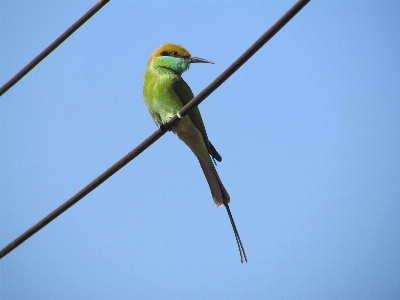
x=238 y=240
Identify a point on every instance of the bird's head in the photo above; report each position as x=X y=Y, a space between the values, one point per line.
x=174 y=57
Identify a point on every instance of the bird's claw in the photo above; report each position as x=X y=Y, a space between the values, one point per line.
x=164 y=128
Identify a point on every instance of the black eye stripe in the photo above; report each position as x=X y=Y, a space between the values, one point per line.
x=170 y=53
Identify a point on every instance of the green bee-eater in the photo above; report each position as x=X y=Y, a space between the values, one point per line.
x=165 y=93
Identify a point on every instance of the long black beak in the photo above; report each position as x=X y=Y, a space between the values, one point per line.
x=199 y=60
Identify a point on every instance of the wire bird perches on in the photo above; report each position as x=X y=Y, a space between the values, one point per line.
x=159 y=132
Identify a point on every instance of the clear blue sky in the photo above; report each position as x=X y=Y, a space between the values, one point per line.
x=308 y=130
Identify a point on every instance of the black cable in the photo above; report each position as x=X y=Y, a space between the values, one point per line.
x=158 y=133
x=83 y=192
x=242 y=59
x=53 y=46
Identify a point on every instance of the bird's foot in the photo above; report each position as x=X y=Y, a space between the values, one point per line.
x=164 y=128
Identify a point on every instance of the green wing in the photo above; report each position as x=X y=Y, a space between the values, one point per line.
x=185 y=94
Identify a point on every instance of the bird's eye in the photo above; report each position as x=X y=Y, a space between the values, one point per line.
x=174 y=53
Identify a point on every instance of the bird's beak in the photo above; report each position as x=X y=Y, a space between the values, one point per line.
x=199 y=60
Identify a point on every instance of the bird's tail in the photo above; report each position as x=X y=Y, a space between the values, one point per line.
x=218 y=191
x=221 y=196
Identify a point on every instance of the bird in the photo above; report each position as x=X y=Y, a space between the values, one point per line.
x=165 y=93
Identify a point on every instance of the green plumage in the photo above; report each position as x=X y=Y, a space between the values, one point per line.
x=165 y=93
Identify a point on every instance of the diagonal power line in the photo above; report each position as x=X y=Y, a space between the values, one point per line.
x=161 y=131
x=53 y=46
